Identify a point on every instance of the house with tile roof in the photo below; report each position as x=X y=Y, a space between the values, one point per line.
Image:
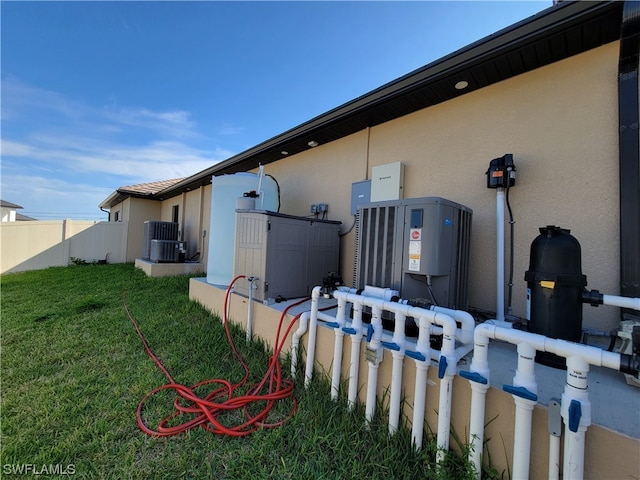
x=558 y=91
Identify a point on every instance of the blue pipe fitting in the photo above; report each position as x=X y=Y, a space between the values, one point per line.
x=369 y=332
x=474 y=377
x=442 y=366
x=575 y=414
x=349 y=330
x=415 y=355
x=391 y=346
x=520 y=392
x=332 y=324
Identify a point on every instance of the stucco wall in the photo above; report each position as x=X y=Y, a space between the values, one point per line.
x=560 y=123
x=41 y=244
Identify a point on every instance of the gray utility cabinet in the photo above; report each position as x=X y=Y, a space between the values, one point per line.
x=290 y=255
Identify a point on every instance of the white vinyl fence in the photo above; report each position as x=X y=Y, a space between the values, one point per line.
x=41 y=244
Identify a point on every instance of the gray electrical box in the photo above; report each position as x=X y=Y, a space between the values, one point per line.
x=360 y=194
x=418 y=246
x=290 y=255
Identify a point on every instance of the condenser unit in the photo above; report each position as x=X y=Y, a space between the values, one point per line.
x=418 y=246
x=156 y=230
x=166 y=251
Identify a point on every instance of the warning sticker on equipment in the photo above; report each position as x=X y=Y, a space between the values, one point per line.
x=415 y=249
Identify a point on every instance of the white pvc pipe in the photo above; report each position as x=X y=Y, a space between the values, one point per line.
x=250 y=309
x=354 y=366
x=554 y=457
x=578 y=356
x=375 y=349
x=466 y=320
x=500 y=255
x=622 y=302
x=337 y=349
x=313 y=330
x=295 y=340
x=525 y=378
x=574 y=438
x=396 y=372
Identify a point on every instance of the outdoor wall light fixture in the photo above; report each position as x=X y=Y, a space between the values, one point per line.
x=284 y=152
x=461 y=85
x=313 y=143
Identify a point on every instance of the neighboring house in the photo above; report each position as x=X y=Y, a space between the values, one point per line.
x=8 y=212
x=136 y=204
x=559 y=91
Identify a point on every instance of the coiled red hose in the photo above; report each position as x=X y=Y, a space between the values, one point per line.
x=205 y=411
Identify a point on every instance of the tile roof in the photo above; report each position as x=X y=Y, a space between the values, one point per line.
x=150 y=188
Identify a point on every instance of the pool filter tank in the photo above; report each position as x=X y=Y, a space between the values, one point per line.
x=554 y=289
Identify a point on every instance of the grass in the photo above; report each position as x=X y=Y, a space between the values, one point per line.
x=73 y=372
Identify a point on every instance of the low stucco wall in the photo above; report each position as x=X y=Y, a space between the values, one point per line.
x=608 y=454
x=42 y=244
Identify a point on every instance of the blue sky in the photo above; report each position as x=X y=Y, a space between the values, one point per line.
x=98 y=95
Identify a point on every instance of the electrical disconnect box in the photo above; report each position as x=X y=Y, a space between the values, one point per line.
x=289 y=255
x=418 y=246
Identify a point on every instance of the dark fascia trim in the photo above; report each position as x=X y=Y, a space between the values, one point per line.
x=629 y=162
x=545 y=23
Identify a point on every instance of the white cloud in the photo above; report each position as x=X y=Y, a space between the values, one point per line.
x=60 y=155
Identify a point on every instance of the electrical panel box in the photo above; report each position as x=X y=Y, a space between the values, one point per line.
x=360 y=194
x=418 y=246
x=387 y=182
x=288 y=254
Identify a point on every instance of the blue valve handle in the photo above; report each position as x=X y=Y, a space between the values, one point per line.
x=474 y=377
x=520 y=392
x=391 y=346
x=575 y=414
x=349 y=330
x=442 y=366
x=415 y=355
x=369 y=332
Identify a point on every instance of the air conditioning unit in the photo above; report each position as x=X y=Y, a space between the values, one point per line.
x=156 y=230
x=418 y=246
x=165 y=251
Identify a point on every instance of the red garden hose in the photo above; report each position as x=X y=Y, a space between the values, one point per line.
x=205 y=411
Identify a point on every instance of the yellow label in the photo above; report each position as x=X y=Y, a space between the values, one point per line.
x=547 y=284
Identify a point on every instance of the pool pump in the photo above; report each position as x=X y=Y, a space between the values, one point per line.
x=555 y=294
x=555 y=284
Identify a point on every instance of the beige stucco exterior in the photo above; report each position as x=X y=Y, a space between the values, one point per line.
x=560 y=123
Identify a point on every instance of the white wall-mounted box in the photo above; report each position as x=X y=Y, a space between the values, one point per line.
x=387 y=182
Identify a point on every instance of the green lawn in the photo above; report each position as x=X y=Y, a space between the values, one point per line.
x=73 y=372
